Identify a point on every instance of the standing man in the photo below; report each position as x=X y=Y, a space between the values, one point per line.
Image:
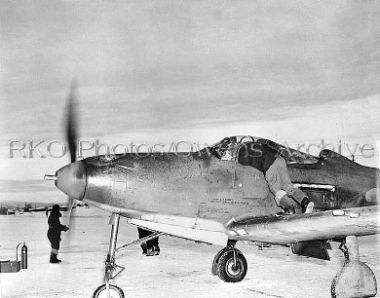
x=54 y=233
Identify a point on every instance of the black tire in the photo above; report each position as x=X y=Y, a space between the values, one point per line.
x=227 y=270
x=214 y=266
x=115 y=292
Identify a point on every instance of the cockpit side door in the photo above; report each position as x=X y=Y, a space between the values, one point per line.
x=250 y=183
x=244 y=189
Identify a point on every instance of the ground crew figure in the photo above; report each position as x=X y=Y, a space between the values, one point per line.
x=150 y=247
x=269 y=161
x=54 y=233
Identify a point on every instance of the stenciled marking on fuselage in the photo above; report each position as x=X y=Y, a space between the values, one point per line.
x=228 y=201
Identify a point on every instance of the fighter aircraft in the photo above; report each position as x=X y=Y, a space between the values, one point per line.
x=214 y=196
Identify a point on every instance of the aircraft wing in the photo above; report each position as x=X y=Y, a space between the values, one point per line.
x=285 y=229
x=200 y=230
x=276 y=229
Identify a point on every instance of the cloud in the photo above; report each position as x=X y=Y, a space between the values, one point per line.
x=195 y=69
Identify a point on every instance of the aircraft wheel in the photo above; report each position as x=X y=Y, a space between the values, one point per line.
x=115 y=292
x=227 y=271
x=214 y=267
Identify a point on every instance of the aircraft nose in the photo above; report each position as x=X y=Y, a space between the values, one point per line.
x=72 y=180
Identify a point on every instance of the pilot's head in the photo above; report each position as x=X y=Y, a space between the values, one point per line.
x=228 y=148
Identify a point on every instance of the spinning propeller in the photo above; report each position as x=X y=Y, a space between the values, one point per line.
x=71 y=179
x=71 y=136
x=71 y=123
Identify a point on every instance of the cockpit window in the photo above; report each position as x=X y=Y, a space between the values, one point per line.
x=228 y=149
x=225 y=148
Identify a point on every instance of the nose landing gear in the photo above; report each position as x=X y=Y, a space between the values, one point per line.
x=112 y=292
x=112 y=270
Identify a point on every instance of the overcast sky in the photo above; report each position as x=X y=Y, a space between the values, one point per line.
x=158 y=71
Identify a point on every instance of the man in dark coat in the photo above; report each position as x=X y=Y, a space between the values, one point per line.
x=54 y=233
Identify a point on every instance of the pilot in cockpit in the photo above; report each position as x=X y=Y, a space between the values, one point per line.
x=227 y=148
x=263 y=156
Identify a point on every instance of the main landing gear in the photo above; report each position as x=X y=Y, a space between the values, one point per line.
x=230 y=264
x=355 y=279
x=112 y=270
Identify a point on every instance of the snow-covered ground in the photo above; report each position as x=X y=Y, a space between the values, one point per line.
x=182 y=269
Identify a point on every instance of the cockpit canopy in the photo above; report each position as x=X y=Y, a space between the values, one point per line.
x=229 y=148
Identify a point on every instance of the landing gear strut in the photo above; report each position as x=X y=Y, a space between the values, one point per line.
x=355 y=279
x=111 y=269
x=230 y=264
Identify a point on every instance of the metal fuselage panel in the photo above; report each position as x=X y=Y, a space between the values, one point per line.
x=351 y=180
x=203 y=186
x=197 y=185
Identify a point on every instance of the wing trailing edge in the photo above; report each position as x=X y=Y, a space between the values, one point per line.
x=285 y=229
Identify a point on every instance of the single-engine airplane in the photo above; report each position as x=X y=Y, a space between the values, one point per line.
x=217 y=197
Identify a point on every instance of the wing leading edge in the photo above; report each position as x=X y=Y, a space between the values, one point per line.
x=277 y=229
